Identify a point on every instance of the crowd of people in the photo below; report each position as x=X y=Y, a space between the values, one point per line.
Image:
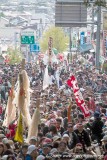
x=63 y=131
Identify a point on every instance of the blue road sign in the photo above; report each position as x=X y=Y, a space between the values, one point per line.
x=34 y=48
x=82 y=38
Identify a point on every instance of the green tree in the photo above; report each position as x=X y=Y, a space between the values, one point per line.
x=20 y=8
x=96 y=3
x=15 y=56
x=60 y=40
x=2 y=14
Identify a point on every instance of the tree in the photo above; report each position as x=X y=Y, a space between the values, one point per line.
x=2 y=14
x=60 y=40
x=15 y=56
x=96 y=2
x=21 y=8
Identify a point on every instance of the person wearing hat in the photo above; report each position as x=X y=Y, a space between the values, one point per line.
x=31 y=153
x=105 y=151
x=23 y=152
x=56 y=138
x=46 y=148
x=1 y=137
x=97 y=127
x=104 y=140
x=53 y=151
x=83 y=136
x=73 y=139
x=33 y=141
x=4 y=157
x=7 y=147
x=66 y=138
x=40 y=157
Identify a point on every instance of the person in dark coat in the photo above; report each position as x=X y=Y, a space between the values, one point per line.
x=73 y=140
x=60 y=129
x=23 y=152
x=97 y=127
x=83 y=136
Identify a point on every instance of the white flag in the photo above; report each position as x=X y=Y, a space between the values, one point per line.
x=54 y=58
x=57 y=77
x=46 y=79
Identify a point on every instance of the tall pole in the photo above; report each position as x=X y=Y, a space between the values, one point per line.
x=93 y=22
x=70 y=52
x=98 y=38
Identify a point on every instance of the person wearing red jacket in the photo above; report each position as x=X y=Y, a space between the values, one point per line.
x=12 y=129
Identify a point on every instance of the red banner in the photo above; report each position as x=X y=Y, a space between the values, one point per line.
x=72 y=82
x=1 y=110
x=104 y=43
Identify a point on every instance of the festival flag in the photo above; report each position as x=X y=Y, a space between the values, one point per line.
x=33 y=129
x=57 y=77
x=72 y=82
x=69 y=113
x=46 y=79
x=10 y=113
x=54 y=58
x=23 y=97
x=19 y=131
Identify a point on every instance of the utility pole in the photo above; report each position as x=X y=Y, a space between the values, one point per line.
x=70 y=52
x=93 y=22
x=98 y=38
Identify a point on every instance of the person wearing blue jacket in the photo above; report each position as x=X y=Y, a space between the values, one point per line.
x=32 y=153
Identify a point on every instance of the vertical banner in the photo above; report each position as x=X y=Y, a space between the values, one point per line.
x=88 y=37
x=82 y=38
x=72 y=83
x=105 y=43
x=19 y=131
x=74 y=40
x=50 y=44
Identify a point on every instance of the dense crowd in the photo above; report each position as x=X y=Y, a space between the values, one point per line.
x=57 y=137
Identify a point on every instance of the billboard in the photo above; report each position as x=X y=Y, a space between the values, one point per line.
x=69 y=13
x=78 y=1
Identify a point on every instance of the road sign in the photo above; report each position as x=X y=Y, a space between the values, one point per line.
x=82 y=38
x=74 y=40
x=34 y=48
x=70 y=13
x=88 y=37
x=27 y=37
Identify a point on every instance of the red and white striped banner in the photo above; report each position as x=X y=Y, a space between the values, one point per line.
x=72 y=82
